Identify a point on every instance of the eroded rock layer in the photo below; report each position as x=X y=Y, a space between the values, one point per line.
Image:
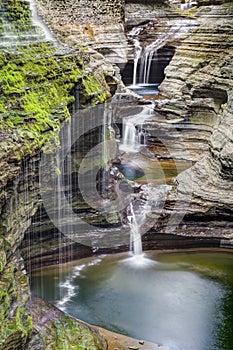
x=93 y=24
x=198 y=84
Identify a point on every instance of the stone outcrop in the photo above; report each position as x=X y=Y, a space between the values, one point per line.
x=22 y=198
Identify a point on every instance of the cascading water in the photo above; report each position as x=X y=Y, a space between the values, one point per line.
x=173 y=31
x=135 y=235
x=36 y=20
x=137 y=50
x=133 y=134
x=138 y=220
x=133 y=137
x=145 y=67
x=129 y=135
x=187 y=5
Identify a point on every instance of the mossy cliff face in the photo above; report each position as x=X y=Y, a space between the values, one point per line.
x=36 y=90
x=16 y=321
x=17 y=12
x=37 y=84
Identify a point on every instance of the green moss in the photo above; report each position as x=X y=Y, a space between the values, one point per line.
x=93 y=88
x=18 y=12
x=16 y=323
x=23 y=322
x=36 y=89
x=66 y=333
x=35 y=92
x=36 y=85
x=2 y=262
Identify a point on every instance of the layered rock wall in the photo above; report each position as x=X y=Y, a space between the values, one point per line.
x=198 y=86
x=86 y=11
x=94 y=24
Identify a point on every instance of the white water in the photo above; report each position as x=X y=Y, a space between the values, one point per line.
x=145 y=67
x=133 y=138
x=135 y=236
x=133 y=134
x=187 y=5
x=138 y=220
x=36 y=20
x=129 y=136
x=67 y=288
x=137 y=50
x=174 y=30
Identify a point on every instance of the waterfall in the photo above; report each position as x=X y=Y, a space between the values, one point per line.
x=145 y=68
x=36 y=20
x=187 y=5
x=173 y=31
x=142 y=137
x=129 y=134
x=135 y=235
x=137 y=54
x=105 y=137
x=137 y=50
x=58 y=209
x=133 y=136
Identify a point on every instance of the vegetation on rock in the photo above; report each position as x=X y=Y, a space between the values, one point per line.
x=18 y=12
x=59 y=331
x=36 y=91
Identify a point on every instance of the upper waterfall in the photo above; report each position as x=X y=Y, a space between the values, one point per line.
x=146 y=54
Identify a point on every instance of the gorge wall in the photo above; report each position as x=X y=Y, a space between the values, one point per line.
x=40 y=81
x=195 y=108
x=198 y=88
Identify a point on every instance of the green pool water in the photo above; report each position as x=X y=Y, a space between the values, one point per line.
x=181 y=300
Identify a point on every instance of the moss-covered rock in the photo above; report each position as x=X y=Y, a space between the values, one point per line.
x=36 y=86
x=54 y=330
x=16 y=322
x=18 y=12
